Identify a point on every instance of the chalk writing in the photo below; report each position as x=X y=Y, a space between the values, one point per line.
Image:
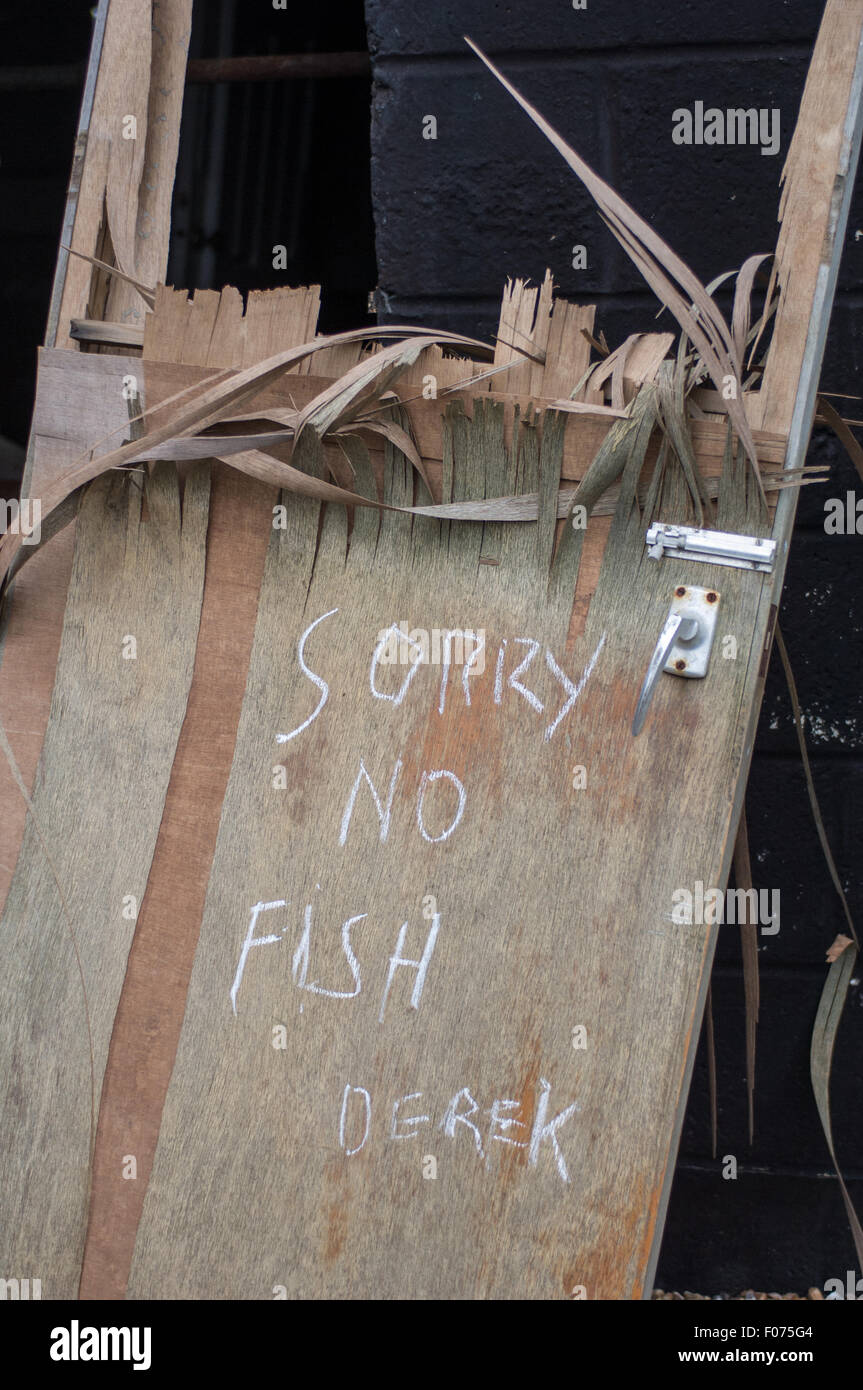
x=515 y=684
x=381 y=653
x=573 y=691
x=300 y=959
x=316 y=680
x=462 y=1115
x=384 y=809
x=473 y=667
x=367 y=1102
x=427 y=778
x=384 y=812
x=421 y=966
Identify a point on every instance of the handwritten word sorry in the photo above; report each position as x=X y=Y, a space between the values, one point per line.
x=505 y=678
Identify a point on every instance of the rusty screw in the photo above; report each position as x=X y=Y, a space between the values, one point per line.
x=712 y=597
x=680 y=665
x=679 y=591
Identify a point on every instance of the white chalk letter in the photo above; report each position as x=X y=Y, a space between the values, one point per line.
x=420 y=966
x=541 y=1130
x=250 y=941
x=384 y=812
x=453 y=1118
x=462 y=799
x=316 y=680
x=572 y=691
x=357 y=1091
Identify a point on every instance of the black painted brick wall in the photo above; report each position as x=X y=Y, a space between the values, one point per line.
x=490 y=198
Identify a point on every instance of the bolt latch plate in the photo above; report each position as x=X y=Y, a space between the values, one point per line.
x=711 y=547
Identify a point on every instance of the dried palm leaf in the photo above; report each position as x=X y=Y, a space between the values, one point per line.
x=672 y=280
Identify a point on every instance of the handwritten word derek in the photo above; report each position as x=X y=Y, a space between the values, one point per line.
x=515 y=657
x=301 y=958
x=461 y=1117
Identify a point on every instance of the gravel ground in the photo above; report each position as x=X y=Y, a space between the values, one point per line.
x=749 y=1294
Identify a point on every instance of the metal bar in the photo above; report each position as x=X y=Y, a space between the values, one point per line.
x=267 y=68
x=278 y=67
x=667 y=638
x=713 y=547
x=42 y=79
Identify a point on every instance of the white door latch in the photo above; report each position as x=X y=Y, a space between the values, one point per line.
x=684 y=644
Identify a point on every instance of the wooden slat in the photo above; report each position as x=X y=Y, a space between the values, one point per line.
x=109 y=745
x=41 y=589
x=535 y=929
x=817 y=179
x=49 y=1204
x=79 y=402
x=314 y=1223
x=548 y=930
x=141 y=74
x=152 y=1003
x=523 y=951
x=584 y=433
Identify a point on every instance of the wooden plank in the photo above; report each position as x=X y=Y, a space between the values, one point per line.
x=475 y=1067
x=32 y=645
x=153 y=997
x=129 y=181
x=79 y=402
x=50 y=1202
x=817 y=182
x=584 y=433
x=349 y=1206
x=95 y=331
x=123 y=675
x=152 y=1003
x=27 y=677
x=304 y=1217
x=525 y=323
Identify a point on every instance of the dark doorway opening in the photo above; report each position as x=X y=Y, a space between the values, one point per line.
x=263 y=165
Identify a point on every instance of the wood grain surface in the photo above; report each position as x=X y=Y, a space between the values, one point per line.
x=439 y=907
x=152 y=1003
x=123 y=676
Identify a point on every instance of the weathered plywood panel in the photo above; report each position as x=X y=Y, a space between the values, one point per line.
x=425 y=957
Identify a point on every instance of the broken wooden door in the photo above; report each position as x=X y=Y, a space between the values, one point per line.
x=402 y=1007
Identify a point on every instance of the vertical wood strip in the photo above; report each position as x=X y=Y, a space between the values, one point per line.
x=27 y=666
x=151 y=1006
x=116 y=714
x=67 y=418
x=150 y=1012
